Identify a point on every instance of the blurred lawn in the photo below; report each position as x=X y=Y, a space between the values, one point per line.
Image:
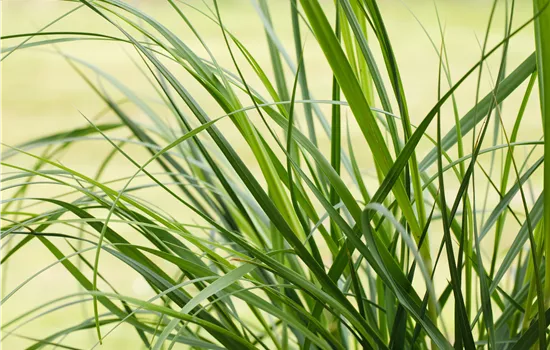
x=41 y=94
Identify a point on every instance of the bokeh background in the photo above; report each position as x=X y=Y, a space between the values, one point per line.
x=42 y=94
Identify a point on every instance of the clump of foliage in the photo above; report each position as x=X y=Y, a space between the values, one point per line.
x=304 y=252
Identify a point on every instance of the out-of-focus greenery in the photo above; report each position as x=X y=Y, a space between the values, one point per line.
x=157 y=146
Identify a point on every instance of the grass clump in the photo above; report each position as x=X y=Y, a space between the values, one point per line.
x=289 y=244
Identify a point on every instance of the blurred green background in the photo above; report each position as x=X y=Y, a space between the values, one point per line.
x=41 y=94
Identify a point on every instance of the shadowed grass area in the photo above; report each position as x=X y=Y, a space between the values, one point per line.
x=281 y=183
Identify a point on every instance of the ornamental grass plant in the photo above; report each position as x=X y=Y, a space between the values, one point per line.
x=259 y=209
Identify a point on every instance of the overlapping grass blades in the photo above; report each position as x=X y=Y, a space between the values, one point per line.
x=305 y=252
